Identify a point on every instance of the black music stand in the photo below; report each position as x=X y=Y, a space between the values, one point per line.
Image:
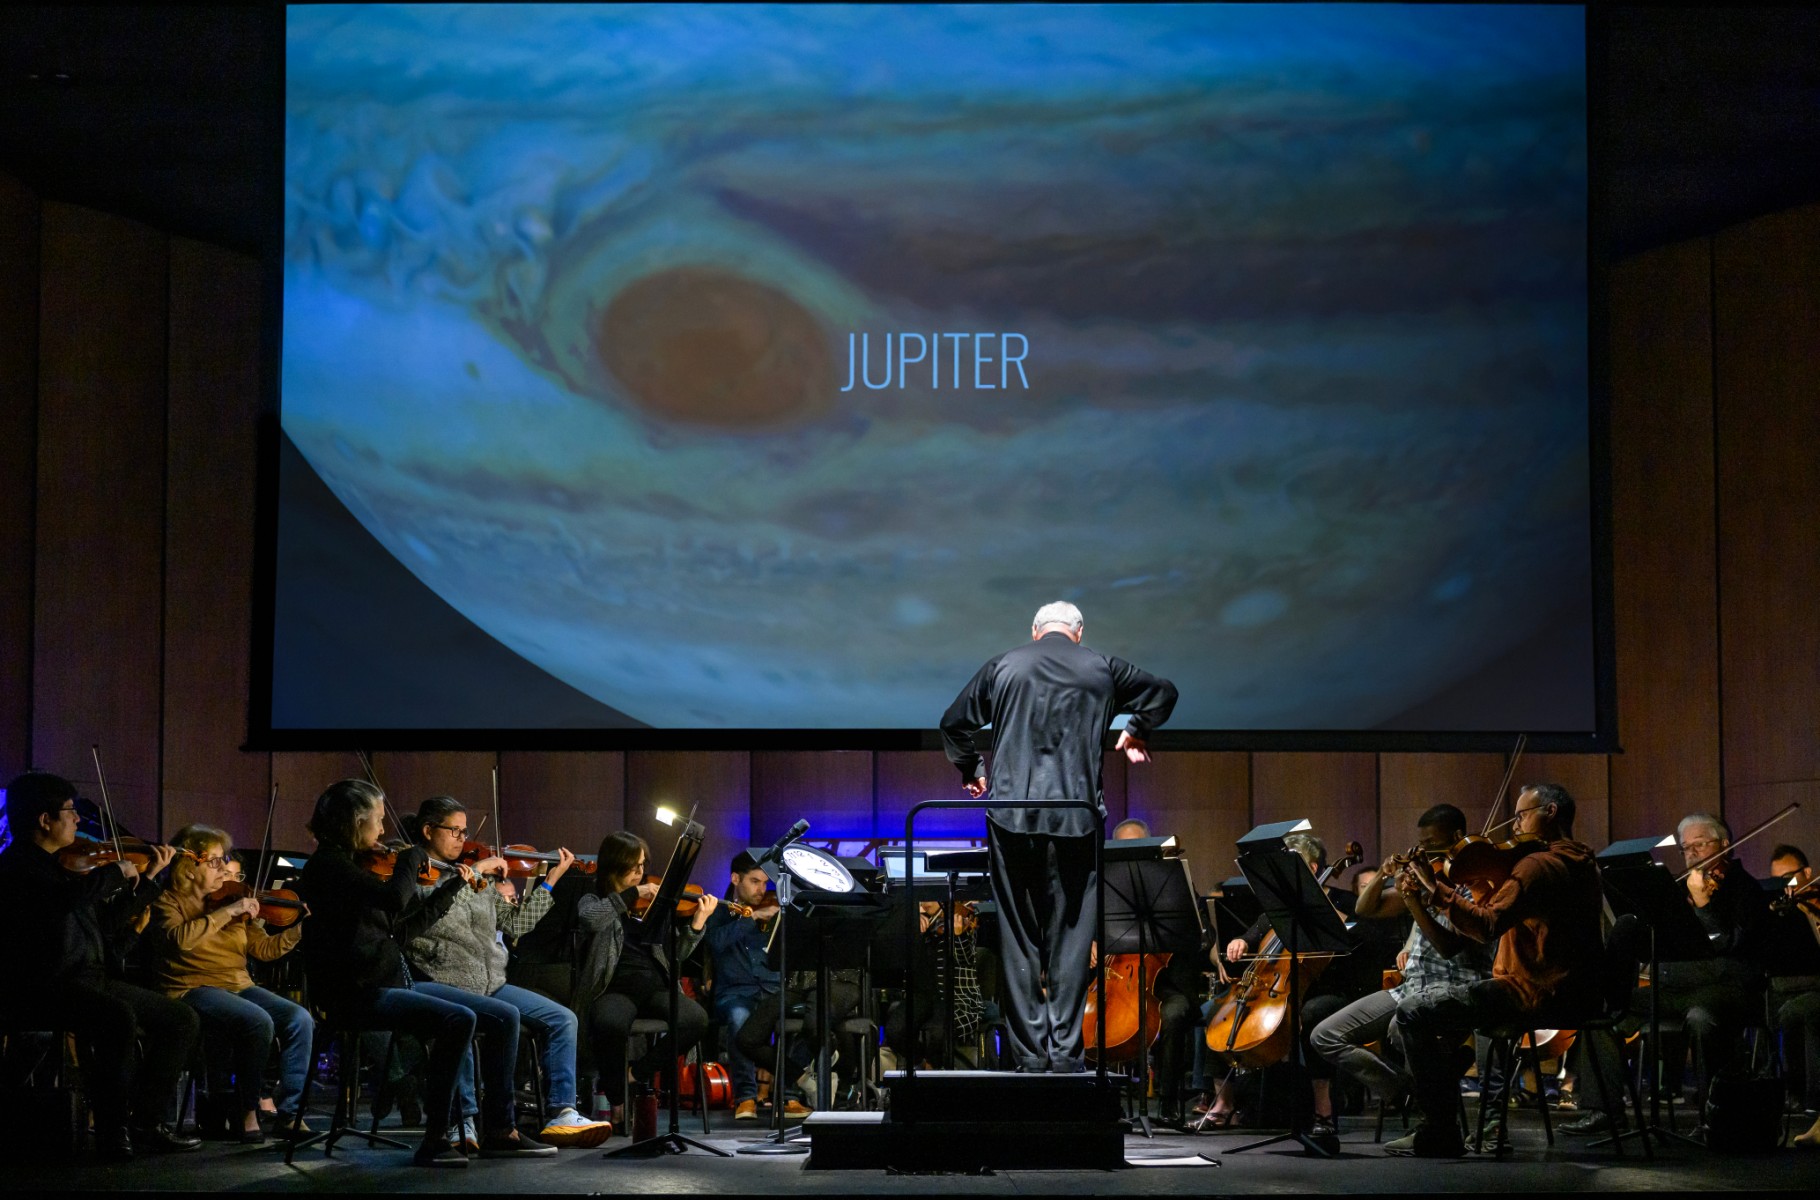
x=1150 y=909
x=1647 y=891
x=1306 y=922
x=659 y=922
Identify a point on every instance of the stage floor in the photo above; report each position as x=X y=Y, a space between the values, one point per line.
x=1363 y=1168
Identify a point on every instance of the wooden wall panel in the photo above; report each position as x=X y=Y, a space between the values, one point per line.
x=1748 y=804
x=1203 y=798
x=909 y=777
x=18 y=467
x=719 y=781
x=1410 y=784
x=98 y=584
x=411 y=777
x=1663 y=537
x=301 y=777
x=1767 y=324
x=1587 y=778
x=562 y=799
x=211 y=452
x=832 y=790
x=1336 y=792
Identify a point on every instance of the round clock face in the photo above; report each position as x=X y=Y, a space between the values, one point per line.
x=816 y=869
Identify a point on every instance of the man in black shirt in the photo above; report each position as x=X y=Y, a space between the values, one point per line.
x=1049 y=704
x=59 y=968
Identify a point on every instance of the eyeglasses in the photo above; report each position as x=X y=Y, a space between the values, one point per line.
x=1693 y=848
x=68 y=810
x=458 y=830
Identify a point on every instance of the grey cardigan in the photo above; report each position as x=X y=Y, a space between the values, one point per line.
x=603 y=917
x=462 y=949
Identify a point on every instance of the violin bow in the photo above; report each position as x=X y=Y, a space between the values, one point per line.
x=1733 y=844
x=264 y=875
x=113 y=826
x=1510 y=772
x=366 y=764
x=498 y=829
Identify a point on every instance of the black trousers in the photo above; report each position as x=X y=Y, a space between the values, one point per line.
x=1047 y=900
x=609 y=1020
x=111 y=1020
x=755 y=1035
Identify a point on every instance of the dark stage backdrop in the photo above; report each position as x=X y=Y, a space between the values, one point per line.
x=129 y=369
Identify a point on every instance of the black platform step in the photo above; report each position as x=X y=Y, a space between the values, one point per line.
x=973 y=1121
x=1000 y=1096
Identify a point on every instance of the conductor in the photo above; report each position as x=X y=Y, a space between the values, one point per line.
x=1049 y=704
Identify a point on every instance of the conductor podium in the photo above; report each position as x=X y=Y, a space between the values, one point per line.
x=975 y=1121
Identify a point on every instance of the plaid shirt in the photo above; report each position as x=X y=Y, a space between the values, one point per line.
x=1428 y=968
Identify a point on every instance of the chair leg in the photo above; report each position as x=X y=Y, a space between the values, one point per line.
x=701 y=1091
x=1535 y=1066
x=303 y=1104
x=539 y=1085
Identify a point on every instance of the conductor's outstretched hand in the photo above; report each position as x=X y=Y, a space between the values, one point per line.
x=976 y=787
x=1134 y=748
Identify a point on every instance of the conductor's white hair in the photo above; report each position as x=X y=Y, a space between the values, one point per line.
x=1061 y=613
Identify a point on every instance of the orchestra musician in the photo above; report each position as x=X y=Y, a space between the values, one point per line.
x=1795 y=985
x=1545 y=921
x=460 y=955
x=1716 y=997
x=619 y=979
x=1436 y=956
x=936 y=998
x=1049 y=703
x=354 y=960
x=743 y=977
x=59 y=941
x=1326 y=995
x=199 y=956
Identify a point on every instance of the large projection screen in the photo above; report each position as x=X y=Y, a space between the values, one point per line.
x=708 y=372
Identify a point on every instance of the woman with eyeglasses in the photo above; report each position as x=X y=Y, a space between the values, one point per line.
x=620 y=980
x=199 y=956
x=461 y=955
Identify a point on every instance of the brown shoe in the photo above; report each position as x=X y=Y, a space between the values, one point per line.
x=796 y=1110
x=746 y=1110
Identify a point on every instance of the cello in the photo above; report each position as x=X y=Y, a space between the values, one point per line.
x=1131 y=1005
x=1249 y=1028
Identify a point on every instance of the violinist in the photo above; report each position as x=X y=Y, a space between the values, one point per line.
x=1329 y=993
x=61 y=973
x=619 y=980
x=1436 y=957
x=938 y=997
x=1794 y=1000
x=1715 y=997
x=200 y=952
x=460 y=955
x=1544 y=920
x=355 y=962
x=743 y=978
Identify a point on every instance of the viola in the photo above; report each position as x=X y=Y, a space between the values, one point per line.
x=522 y=861
x=1483 y=864
x=1250 y=1026
x=279 y=908
x=86 y=853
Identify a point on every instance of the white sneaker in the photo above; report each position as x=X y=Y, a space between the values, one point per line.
x=470 y=1136
x=570 y=1128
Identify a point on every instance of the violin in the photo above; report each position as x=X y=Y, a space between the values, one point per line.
x=1250 y=1026
x=86 y=853
x=522 y=861
x=687 y=903
x=279 y=908
x=1477 y=862
x=382 y=861
x=1798 y=896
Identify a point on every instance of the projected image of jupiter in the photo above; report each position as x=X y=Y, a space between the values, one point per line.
x=767 y=367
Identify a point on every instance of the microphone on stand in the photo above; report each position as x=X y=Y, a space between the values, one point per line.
x=797 y=830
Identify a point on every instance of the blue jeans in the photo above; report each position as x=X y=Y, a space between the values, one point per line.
x=445 y=1028
x=497 y=1024
x=555 y=1025
x=732 y=1007
x=237 y=1031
